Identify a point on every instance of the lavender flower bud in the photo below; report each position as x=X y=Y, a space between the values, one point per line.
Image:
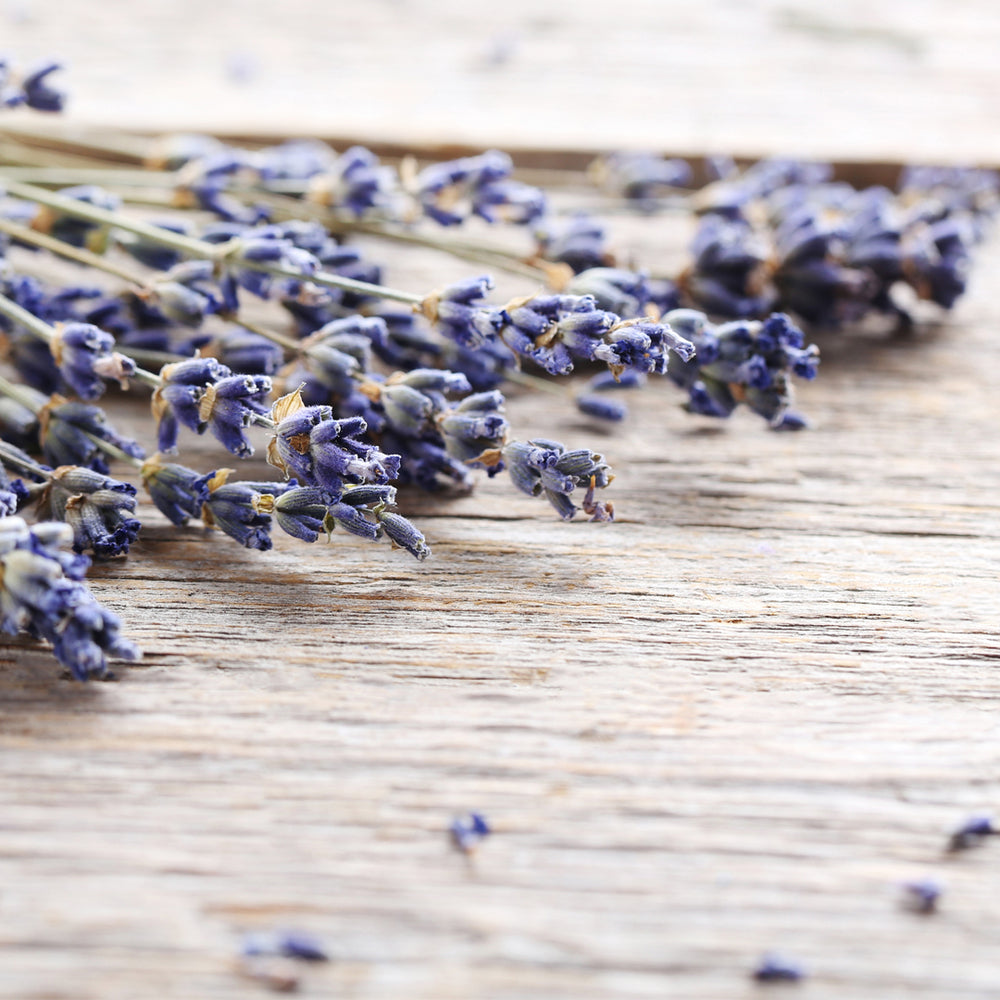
x=509 y=201
x=542 y=466
x=449 y=191
x=288 y=943
x=250 y=353
x=227 y=407
x=85 y=358
x=922 y=895
x=469 y=831
x=972 y=832
x=475 y=430
x=179 y=493
x=302 y=512
x=327 y=453
x=235 y=509
x=68 y=430
x=97 y=508
x=187 y=293
x=404 y=534
x=578 y=242
x=355 y=181
x=601 y=407
x=177 y=400
x=456 y=310
x=774 y=968
x=640 y=177
x=80 y=232
x=8 y=498
x=38 y=94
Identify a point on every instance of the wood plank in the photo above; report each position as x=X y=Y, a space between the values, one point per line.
x=857 y=81
x=733 y=720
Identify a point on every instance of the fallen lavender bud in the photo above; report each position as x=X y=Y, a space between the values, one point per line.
x=287 y=943
x=922 y=895
x=775 y=968
x=33 y=91
x=469 y=831
x=972 y=832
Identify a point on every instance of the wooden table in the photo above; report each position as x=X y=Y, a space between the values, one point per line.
x=734 y=720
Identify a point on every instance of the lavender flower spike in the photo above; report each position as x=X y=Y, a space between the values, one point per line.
x=177 y=400
x=41 y=592
x=234 y=509
x=228 y=406
x=98 y=509
x=85 y=358
x=542 y=466
x=178 y=492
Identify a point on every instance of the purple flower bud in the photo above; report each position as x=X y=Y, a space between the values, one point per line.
x=542 y=466
x=233 y=508
x=972 y=832
x=404 y=534
x=85 y=358
x=97 y=508
x=287 y=943
x=775 y=968
x=68 y=430
x=227 y=407
x=922 y=895
x=178 y=492
x=469 y=831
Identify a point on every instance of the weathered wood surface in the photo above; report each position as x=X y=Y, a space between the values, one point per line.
x=733 y=720
x=851 y=80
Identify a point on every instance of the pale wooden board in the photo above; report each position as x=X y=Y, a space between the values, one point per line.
x=731 y=721
x=852 y=80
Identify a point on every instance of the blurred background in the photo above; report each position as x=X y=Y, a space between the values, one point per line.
x=899 y=79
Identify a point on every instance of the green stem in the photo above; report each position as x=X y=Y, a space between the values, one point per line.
x=59 y=175
x=195 y=247
x=29 y=321
x=61 y=249
x=17 y=393
x=9 y=456
x=102 y=217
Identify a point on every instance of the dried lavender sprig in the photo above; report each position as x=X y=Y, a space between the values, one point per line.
x=541 y=466
x=41 y=592
x=93 y=427
x=231 y=251
x=82 y=351
x=220 y=401
x=97 y=509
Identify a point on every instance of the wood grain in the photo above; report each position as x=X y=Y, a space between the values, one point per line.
x=856 y=80
x=733 y=720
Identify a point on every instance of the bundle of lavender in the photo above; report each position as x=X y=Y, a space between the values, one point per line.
x=363 y=387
